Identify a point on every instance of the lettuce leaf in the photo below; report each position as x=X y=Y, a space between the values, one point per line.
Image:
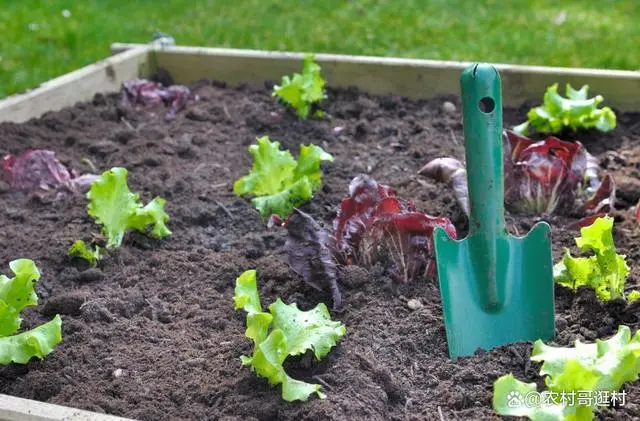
x=81 y=250
x=605 y=271
x=16 y=294
x=118 y=210
x=593 y=370
x=277 y=181
x=283 y=331
x=510 y=395
x=302 y=90
x=575 y=111
x=37 y=342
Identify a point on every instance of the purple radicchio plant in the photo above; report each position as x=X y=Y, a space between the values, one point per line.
x=543 y=177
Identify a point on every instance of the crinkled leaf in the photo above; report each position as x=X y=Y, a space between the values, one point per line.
x=37 y=342
x=277 y=181
x=283 y=202
x=633 y=295
x=605 y=271
x=267 y=362
x=310 y=253
x=306 y=330
x=574 y=272
x=309 y=162
x=602 y=366
x=246 y=295
x=509 y=398
x=272 y=169
x=292 y=332
x=544 y=177
x=575 y=111
x=152 y=214
x=302 y=90
x=16 y=294
x=81 y=250
x=147 y=93
x=118 y=210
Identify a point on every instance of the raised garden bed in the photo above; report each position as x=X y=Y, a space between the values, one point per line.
x=152 y=333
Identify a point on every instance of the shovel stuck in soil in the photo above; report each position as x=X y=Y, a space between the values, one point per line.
x=496 y=288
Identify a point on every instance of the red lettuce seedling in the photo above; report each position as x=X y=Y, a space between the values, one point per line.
x=310 y=253
x=545 y=177
x=38 y=171
x=147 y=93
x=372 y=224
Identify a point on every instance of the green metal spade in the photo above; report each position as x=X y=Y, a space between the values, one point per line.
x=496 y=288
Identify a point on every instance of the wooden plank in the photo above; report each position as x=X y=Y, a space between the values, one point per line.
x=18 y=409
x=380 y=75
x=104 y=76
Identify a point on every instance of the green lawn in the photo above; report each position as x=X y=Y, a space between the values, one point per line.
x=38 y=42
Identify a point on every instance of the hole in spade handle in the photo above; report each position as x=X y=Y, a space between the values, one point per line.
x=486 y=104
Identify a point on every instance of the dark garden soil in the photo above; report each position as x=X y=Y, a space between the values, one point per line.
x=153 y=334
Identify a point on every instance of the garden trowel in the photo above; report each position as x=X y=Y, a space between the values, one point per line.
x=496 y=288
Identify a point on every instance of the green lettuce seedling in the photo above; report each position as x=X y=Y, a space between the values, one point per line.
x=579 y=380
x=279 y=182
x=281 y=332
x=605 y=271
x=575 y=111
x=302 y=90
x=16 y=294
x=118 y=210
x=81 y=250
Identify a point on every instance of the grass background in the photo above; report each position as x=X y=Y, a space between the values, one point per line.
x=37 y=42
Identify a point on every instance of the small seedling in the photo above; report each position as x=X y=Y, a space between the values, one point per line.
x=118 y=210
x=605 y=271
x=81 y=250
x=277 y=181
x=302 y=91
x=281 y=332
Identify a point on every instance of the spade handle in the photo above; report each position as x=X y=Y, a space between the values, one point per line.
x=482 y=123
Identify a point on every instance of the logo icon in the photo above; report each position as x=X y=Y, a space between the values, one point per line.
x=514 y=399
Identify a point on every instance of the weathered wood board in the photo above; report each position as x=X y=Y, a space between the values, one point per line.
x=80 y=85
x=18 y=409
x=407 y=77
